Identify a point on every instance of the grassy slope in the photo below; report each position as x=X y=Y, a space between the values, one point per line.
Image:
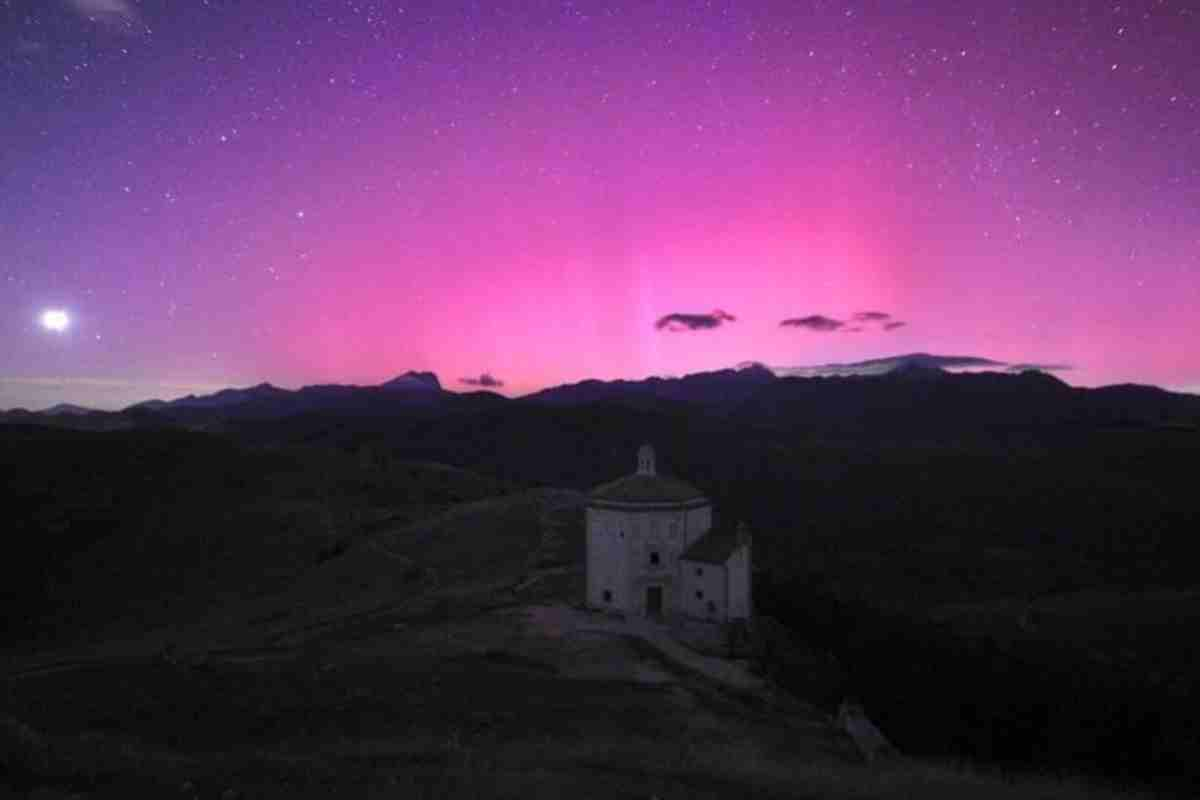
x=104 y=521
x=366 y=646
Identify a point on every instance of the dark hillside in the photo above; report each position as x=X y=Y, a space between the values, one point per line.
x=921 y=523
x=929 y=403
x=102 y=522
x=1004 y=555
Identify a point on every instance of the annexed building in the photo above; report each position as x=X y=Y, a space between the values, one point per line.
x=652 y=550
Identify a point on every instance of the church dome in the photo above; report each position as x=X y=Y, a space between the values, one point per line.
x=647 y=487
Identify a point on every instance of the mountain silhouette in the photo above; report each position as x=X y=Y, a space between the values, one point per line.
x=902 y=396
x=413 y=380
x=719 y=388
x=67 y=408
x=881 y=366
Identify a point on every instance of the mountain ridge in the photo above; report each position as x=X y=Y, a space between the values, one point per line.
x=916 y=390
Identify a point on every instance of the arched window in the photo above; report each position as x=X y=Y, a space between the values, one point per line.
x=607 y=596
x=654 y=561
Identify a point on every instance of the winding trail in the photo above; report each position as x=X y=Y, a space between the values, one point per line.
x=562 y=621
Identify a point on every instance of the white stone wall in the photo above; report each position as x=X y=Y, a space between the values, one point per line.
x=619 y=544
x=660 y=532
x=738 y=567
x=702 y=584
x=608 y=559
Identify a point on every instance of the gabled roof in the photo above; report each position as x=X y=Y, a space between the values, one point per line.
x=643 y=488
x=714 y=547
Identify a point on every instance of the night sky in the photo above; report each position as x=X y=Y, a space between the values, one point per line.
x=530 y=193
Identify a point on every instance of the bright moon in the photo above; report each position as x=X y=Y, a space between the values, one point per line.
x=55 y=319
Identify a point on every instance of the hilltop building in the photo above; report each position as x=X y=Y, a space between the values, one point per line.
x=652 y=550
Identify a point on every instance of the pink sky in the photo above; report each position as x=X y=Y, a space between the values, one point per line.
x=299 y=195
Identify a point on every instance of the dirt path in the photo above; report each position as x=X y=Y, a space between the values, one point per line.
x=562 y=622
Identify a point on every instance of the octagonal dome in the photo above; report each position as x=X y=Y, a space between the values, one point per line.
x=647 y=487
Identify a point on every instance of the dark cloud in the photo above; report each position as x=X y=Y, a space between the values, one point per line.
x=885 y=320
x=814 y=322
x=858 y=322
x=485 y=380
x=694 y=322
x=872 y=316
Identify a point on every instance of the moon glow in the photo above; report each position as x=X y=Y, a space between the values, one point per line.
x=55 y=319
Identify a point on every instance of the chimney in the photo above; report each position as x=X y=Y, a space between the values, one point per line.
x=646 y=460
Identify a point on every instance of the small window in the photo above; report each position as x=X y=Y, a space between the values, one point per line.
x=607 y=596
x=700 y=595
x=712 y=607
x=654 y=559
x=699 y=571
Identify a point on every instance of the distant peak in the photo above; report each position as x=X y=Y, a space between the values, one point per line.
x=940 y=363
x=1038 y=377
x=263 y=389
x=754 y=368
x=911 y=363
x=414 y=380
x=66 y=408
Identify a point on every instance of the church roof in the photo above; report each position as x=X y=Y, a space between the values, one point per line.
x=647 y=487
x=643 y=488
x=714 y=547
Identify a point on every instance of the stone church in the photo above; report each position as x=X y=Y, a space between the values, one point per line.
x=652 y=550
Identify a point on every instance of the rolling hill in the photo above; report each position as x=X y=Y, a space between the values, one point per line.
x=930 y=532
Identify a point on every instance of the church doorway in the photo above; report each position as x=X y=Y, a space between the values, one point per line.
x=654 y=601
